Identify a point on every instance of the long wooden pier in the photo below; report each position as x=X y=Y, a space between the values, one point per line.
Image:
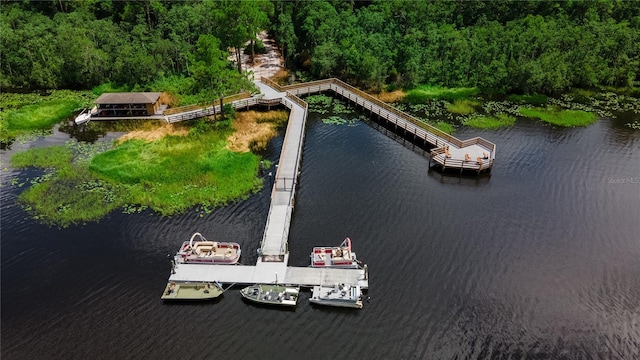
x=273 y=253
x=475 y=154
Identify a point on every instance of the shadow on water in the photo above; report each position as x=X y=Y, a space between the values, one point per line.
x=195 y=303
x=454 y=177
x=253 y=304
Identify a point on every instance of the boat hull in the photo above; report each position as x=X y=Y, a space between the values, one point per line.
x=277 y=295
x=338 y=295
x=82 y=119
x=191 y=291
x=84 y=116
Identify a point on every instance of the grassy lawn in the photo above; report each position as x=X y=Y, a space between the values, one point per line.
x=555 y=116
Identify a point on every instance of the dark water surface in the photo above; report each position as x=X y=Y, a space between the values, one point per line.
x=538 y=260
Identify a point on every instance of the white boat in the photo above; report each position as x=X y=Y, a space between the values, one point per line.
x=208 y=252
x=191 y=291
x=271 y=294
x=83 y=117
x=337 y=257
x=342 y=295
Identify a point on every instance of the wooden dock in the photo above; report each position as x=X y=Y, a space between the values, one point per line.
x=271 y=266
x=475 y=154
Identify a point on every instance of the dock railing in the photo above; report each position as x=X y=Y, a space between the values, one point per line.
x=433 y=135
x=187 y=108
x=272 y=83
x=315 y=86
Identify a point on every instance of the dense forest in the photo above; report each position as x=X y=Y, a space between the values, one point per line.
x=499 y=46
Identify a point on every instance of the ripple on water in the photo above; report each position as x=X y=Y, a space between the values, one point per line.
x=536 y=260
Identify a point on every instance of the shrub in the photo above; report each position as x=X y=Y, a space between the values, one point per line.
x=533 y=99
x=423 y=93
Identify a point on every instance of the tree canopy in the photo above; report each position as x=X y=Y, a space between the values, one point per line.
x=502 y=45
x=506 y=46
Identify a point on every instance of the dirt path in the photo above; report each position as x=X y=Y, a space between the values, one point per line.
x=268 y=64
x=248 y=130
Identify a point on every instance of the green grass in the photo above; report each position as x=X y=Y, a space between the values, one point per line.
x=109 y=87
x=555 y=116
x=423 y=93
x=170 y=176
x=445 y=127
x=48 y=157
x=34 y=118
x=532 y=99
x=32 y=113
x=490 y=122
x=40 y=116
x=463 y=107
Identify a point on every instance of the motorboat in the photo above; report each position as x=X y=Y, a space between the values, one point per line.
x=192 y=291
x=272 y=294
x=202 y=251
x=342 y=295
x=337 y=257
x=83 y=117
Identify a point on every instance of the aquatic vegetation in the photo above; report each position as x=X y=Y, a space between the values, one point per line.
x=334 y=120
x=338 y=120
x=319 y=103
x=28 y=114
x=340 y=107
x=323 y=104
x=634 y=125
x=49 y=157
x=556 y=116
x=422 y=93
x=34 y=118
x=602 y=103
x=501 y=107
x=489 y=122
x=531 y=99
x=445 y=127
x=463 y=107
x=84 y=182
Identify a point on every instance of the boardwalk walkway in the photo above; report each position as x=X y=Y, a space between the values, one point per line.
x=273 y=252
x=475 y=154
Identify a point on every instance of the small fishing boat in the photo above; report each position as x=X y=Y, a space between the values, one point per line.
x=192 y=291
x=336 y=257
x=342 y=295
x=271 y=294
x=208 y=252
x=83 y=117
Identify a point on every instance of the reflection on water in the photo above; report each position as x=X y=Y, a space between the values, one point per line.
x=538 y=259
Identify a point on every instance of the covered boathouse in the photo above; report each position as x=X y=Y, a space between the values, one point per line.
x=128 y=104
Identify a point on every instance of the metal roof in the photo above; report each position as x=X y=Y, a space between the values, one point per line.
x=128 y=98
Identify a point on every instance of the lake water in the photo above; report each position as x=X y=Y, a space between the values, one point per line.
x=540 y=259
